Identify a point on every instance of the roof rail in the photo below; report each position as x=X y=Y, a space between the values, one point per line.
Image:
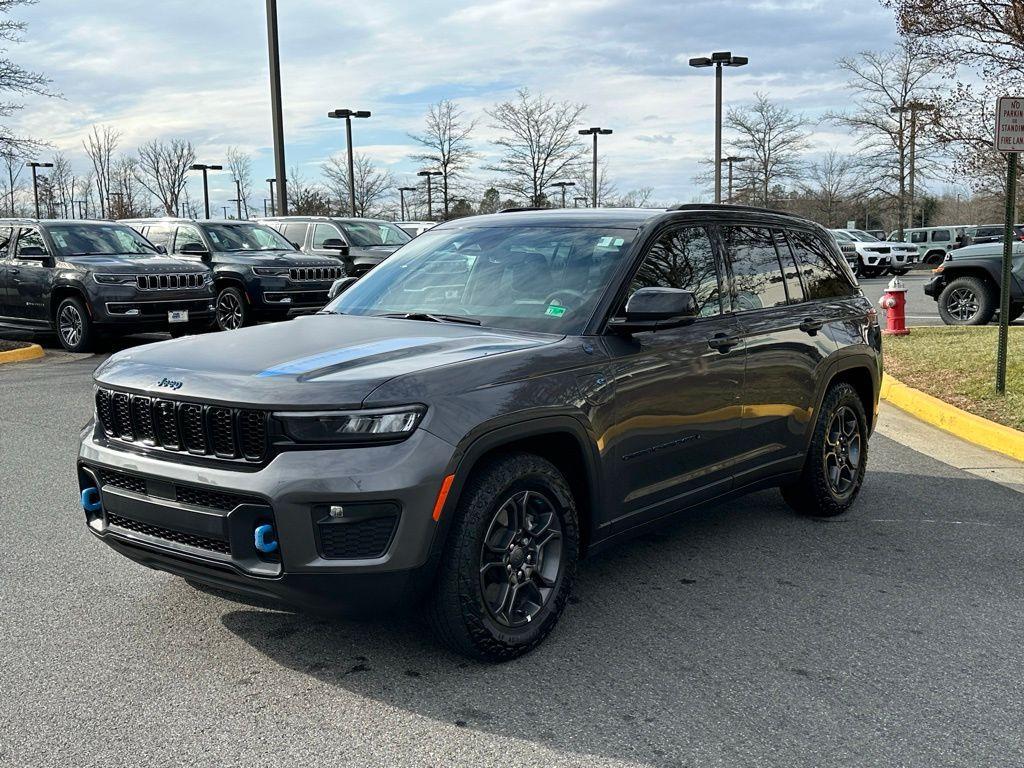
x=731 y=207
x=526 y=208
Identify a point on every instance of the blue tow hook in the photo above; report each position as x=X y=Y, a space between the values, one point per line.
x=265 y=538
x=91 y=500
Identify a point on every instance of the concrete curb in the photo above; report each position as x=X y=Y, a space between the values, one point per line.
x=966 y=426
x=31 y=352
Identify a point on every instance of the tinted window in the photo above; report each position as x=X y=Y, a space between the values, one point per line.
x=187 y=235
x=790 y=270
x=824 y=278
x=918 y=237
x=755 y=268
x=940 y=236
x=5 y=239
x=683 y=258
x=295 y=233
x=323 y=233
x=30 y=238
x=365 y=234
x=160 y=234
x=245 y=237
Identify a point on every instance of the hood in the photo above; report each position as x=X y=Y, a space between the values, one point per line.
x=136 y=264
x=317 y=361
x=274 y=259
x=889 y=244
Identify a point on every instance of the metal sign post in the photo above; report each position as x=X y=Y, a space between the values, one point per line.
x=1009 y=139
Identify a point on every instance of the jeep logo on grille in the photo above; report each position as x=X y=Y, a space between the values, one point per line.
x=170 y=383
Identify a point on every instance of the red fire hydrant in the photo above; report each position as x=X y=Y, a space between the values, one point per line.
x=894 y=302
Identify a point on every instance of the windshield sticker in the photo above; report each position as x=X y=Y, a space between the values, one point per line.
x=555 y=311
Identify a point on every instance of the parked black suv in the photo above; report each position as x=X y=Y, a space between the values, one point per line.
x=258 y=275
x=361 y=244
x=966 y=284
x=86 y=278
x=504 y=395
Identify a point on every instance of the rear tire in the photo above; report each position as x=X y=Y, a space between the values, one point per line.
x=869 y=272
x=509 y=561
x=934 y=258
x=836 y=459
x=967 y=301
x=75 y=329
x=900 y=272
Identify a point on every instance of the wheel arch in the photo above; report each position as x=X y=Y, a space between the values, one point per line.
x=970 y=270
x=860 y=370
x=562 y=440
x=64 y=291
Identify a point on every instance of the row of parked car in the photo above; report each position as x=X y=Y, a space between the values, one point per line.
x=87 y=278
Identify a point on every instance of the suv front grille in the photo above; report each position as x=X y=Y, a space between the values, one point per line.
x=171 y=282
x=183 y=494
x=177 y=537
x=201 y=430
x=316 y=273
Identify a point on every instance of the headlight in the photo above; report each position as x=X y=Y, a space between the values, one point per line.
x=366 y=426
x=270 y=271
x=115 y=279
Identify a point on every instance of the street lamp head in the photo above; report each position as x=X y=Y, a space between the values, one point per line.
x=429 y=173
x=735 y=61
x=563 y=184
x=594 y=130
x=37 y=164
x=344 y=113
x=407 y=189
x=362 y=113
x=735 y=159
x=720 y=57
x=204 y=167
x=700 y=61
x=271 y=181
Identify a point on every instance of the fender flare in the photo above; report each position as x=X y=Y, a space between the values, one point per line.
x=839 y=363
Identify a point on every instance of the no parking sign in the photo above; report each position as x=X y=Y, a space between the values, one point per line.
x=1009 y=139
x=1010 y=124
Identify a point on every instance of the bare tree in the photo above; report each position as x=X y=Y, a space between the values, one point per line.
x=773 y=138
x=240 y=165
x=889 y=87
x=163 y=170
x=637 y=198
x=372 y=184
x=446 y=145
x=16 y=80
x=584 y=178
x=14 y=165
x=129 y=196
x=305 y=198
x=100 y=146
x=829 y=183
x=62 y=183
x=539 y=144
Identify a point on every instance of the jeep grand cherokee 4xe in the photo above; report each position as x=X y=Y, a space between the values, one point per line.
x=258 y=275
x=503 y=395
x=85 y=278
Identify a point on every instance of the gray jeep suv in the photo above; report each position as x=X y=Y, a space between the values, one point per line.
x=360 y=244
x=505 y=395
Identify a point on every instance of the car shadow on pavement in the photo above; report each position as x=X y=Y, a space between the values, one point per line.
x=737 y=630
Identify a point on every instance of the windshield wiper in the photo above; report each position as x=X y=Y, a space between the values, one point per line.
x=433 y=318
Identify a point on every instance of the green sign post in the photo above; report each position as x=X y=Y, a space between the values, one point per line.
x=1010 y=140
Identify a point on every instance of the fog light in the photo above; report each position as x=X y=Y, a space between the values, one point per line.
x=336 y=511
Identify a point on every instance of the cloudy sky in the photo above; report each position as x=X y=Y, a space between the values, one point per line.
x=182 y=68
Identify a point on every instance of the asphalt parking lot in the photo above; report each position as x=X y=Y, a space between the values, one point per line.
x=740 y=635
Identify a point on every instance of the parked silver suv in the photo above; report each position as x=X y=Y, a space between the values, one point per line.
x=360 y=244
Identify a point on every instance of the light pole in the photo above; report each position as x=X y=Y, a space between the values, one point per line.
x=273 y=205
x=430 y=203
x=275 y=105
x=35 y=182
x=224 y=208
x=595 y=132
x=563 y=185
x=401 y=195
x=265 y=201
x=238 y=199
x=206 y=188
x=913 y=107
x=718 y=60
x=348 y=114
x=577 y=200
x=730 y=160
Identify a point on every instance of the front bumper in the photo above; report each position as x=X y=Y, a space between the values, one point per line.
x=282 y=294
x=172 y=516
x=128 y=307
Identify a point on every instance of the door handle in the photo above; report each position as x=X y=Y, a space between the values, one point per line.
x=723 y=342
x=811 y=325
x=13 y=271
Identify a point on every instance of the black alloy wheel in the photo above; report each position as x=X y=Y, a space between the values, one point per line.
x=842 y=451
x=232 y=311
x=520 y=558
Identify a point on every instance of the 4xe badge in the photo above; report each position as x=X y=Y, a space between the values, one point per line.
x=170 y=383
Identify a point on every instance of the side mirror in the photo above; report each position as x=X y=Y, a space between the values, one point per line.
x=161 y=249
x=653 y=309
x=336 y=244
x=195 y=249
x=338 y=287
x=37 y=253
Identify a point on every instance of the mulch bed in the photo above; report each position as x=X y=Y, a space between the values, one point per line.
x=7 y=346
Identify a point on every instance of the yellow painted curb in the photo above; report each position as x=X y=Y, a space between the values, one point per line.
x=966 y=426
x=31 y=352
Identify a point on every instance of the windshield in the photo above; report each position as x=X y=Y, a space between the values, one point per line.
x=841 y=236
x=98 y=240
x=862 y=236
x=245 y=236
x=538 y=278
x=364 y=234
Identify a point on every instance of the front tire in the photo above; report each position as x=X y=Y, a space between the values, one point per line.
x=869 y=272
x=232 y=310
x=509 y=561
x=834 y=468
x=900 y=272
x=967 y=301
x=75 y=328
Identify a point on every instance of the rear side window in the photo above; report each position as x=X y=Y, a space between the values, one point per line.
x=159 y=234
x=756 y=271
x=823 y=276
x=940 y=236
x=324 y=232
x=684 y=259
x=5 y=240
x=919 y=237
x=295 y=232
x=31 y=238
x=187 y=236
